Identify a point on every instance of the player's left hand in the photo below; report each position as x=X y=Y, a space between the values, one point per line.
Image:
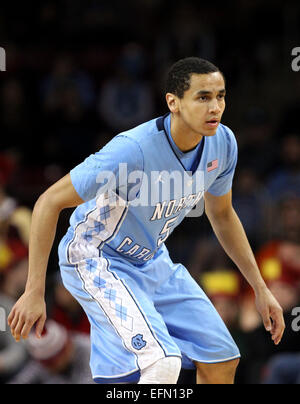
x=271 y=313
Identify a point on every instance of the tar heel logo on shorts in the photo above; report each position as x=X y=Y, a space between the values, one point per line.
x=137 y=342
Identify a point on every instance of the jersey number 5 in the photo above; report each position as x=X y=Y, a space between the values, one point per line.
x=164 y=234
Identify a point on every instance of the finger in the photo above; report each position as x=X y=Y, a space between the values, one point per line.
x=11 y=316
x=278 y=326
x=267 y=320
x=14 y=323
x=40 y=326
x=18 y=328
x=26 y=328
x=278 y=335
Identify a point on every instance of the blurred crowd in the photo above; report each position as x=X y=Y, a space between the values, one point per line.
x=78 y=74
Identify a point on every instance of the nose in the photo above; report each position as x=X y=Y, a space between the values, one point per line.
x=214 y=107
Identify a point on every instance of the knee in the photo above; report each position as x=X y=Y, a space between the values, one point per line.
x=164 y=371
x=232 y=365
x=223 y=372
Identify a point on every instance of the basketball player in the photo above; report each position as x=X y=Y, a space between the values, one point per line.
x=148 y=316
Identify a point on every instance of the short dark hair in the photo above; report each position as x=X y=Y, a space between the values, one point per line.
x=179 y=75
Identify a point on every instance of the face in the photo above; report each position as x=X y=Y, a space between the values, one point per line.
x=202 y=106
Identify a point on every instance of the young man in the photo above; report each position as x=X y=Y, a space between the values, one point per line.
x=148 y=316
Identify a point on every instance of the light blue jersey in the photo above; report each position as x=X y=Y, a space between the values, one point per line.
x=141 y=306
x=136 y=228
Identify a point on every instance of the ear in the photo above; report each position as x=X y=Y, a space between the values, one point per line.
x=173 y=102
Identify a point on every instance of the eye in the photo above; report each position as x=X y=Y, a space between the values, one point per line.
x=221 y=96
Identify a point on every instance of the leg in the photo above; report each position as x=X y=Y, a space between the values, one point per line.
x=216 y=373
x=194 y=323
x=128 y=335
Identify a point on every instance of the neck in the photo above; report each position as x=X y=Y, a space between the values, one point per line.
x=184 y=137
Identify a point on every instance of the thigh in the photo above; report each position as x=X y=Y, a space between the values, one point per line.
x=192 y=320
x=127 y=333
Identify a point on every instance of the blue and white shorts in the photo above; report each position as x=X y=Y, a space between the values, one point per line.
x=140 y=314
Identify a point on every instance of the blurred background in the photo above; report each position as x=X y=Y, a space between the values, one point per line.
x=78 y=73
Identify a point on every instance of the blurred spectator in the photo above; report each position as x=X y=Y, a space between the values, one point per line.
x=285 y=181
x=279 y=263
x=12 y=214
x=13 y=281
x=283 y=369
x=13 y=251
x=252 y=204
x=126 y=99
x=66 y=310
x=15 y=115
x=281 y=259
x=258 y=348
x=14 y=236
x=186 y=32
x=183 y=31
x=58 y=357
x=8 y=163
x=223 y=287
x=256 y=149
x=13 y=356
x=207 y=255
x=67 y=126
x=68 y=114
x=64 y=76
x=285 y=226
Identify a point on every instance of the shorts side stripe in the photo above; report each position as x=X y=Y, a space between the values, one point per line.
x=139 y=308
x=99 y=304
x=119 y=306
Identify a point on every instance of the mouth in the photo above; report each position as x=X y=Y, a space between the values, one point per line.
x=213 y=123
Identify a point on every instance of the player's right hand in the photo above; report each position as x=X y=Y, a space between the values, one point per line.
x=30 y=309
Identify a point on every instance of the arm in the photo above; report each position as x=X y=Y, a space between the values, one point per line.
x=233 y=239
x=30 y=308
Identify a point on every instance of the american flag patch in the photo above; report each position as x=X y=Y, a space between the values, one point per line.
x=212 y=165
